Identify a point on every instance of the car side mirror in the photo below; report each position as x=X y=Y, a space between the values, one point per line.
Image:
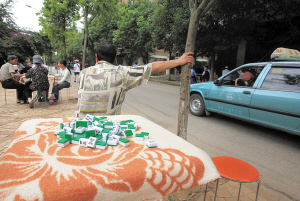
x=217 y=82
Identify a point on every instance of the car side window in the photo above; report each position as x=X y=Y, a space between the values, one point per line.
x=230 y=79
x=282 y=79
x=245 y=76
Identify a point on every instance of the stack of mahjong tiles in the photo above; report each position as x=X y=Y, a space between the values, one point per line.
x=96 y=132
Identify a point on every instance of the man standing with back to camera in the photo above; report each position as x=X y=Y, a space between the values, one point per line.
x=102 y=87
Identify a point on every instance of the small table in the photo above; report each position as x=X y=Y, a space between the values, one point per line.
x=35 y=168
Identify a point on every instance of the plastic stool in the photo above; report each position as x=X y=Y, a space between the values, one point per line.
x=40 y=94
x=236 y=170
x=68 y=94
x=5 y=95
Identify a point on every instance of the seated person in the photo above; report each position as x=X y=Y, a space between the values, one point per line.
x=63 y=83
x=21 y=68
x=8 y=78
x=39 y=76
x=247 y=75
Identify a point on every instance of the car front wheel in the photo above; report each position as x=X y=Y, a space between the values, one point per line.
x=197 y=106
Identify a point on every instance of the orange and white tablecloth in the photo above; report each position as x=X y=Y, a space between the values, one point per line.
x=35 y=168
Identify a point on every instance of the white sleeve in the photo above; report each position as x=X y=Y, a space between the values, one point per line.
x=64 y=78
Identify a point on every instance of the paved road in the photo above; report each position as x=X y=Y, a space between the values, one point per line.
x=275 y=154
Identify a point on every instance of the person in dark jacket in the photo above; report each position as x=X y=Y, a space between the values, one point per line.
x=205 y=75
x=39 y=76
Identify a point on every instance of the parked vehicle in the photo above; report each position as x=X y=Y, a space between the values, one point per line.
x=265 y=93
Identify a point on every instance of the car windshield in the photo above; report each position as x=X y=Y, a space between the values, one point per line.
x=283 y=79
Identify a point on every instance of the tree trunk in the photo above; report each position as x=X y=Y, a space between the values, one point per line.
x=64 y=41
x=65 y=48
x=170 y=54
x=85 y=36
x=57 y=61
x=93 y=53
x=185 y=78
x=212 y=67
x=196 y=13
x=147 y=58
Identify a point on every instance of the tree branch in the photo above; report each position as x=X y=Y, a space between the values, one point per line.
x=192 y=4
x=202 y=6
x=207 y=7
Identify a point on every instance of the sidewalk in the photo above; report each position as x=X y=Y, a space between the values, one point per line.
x=13 y=115
x=164 y=79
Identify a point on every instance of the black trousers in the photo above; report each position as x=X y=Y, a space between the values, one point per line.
x=12 y=84
x=28 y=93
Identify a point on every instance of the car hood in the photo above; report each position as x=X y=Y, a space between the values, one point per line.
x=202 y=85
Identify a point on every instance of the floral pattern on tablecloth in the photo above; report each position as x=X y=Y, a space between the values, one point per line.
x=34 y=167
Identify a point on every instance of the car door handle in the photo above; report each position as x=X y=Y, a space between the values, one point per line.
x=246 y=92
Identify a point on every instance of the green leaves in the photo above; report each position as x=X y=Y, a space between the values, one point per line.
x=134 y=32
x=14 y=40
x=170 y=24
x=57 y=21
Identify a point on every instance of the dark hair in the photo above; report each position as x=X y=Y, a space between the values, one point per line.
x=64 y=62
x=106 y=51
x=11 y=57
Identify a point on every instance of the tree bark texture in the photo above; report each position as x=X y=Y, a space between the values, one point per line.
x=196 y=13
x=212 y=66
x=86 y=31
x=185 y=78
x=64 y=40
x=170 y=54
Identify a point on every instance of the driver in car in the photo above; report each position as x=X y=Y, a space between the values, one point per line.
x=247 y=75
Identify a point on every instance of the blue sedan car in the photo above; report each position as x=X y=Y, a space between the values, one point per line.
x=266 y=93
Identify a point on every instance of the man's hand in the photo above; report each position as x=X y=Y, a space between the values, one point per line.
x=55 y=83
x=186 y=58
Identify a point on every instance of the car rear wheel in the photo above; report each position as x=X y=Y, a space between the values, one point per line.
x=197 y=106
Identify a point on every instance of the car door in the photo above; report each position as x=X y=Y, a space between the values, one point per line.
x=276 y=101
x=229 y=98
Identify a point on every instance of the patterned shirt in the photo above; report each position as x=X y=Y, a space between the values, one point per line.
x=39 y=75
x=102 y=87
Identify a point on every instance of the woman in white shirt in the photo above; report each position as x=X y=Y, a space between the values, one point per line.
x=65 y=73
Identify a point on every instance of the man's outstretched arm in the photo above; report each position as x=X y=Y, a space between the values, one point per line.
x=159 y=66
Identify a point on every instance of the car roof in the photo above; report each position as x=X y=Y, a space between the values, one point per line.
x=286 y=63
x=274 y=63
x=255 y=64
